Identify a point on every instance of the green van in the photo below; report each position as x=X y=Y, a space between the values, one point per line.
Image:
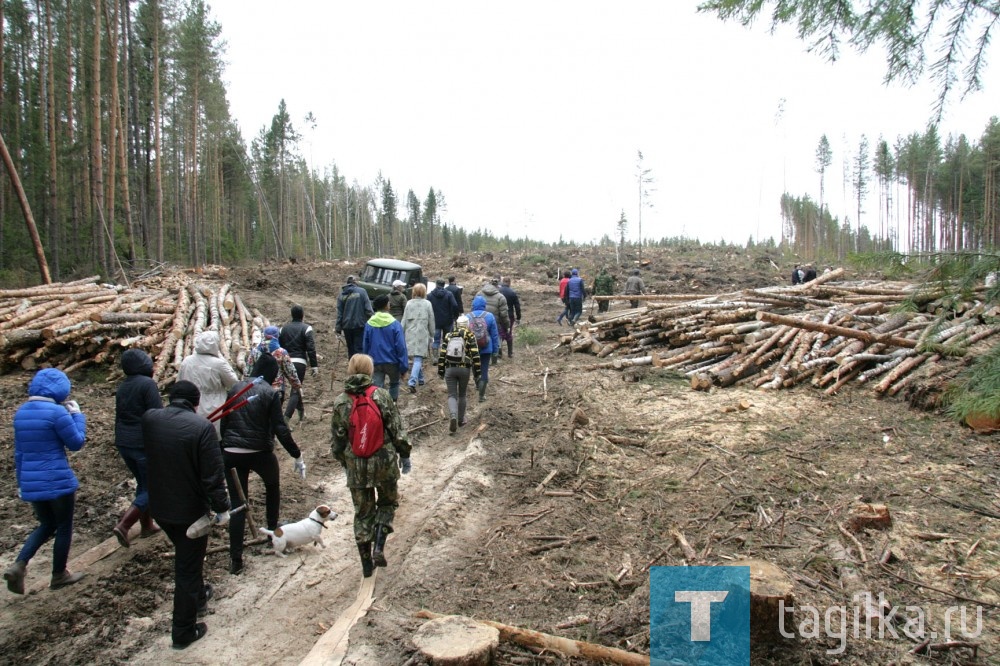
x=379 y=274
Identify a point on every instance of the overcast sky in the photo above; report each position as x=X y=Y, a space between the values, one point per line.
x=528 y=116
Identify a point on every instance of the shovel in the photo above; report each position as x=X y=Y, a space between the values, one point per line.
x=203 y=525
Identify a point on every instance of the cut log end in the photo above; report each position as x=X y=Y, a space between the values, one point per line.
x=869 y=516
x=769 y=586
x=454 y=640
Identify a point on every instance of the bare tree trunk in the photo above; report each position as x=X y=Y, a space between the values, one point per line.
x=156 y=130
x=96 y=155
x=50 y=126
x=26 y=209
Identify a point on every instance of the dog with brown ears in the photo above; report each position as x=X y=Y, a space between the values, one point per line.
x=308 y=530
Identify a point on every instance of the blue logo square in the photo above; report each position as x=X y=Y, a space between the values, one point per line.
x=699 y=615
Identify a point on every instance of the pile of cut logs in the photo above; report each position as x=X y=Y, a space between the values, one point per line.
x=71 y=325
x=824 y=332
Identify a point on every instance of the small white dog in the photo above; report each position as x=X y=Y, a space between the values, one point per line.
x=308 y=530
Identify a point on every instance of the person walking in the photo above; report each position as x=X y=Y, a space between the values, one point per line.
x=186 y=483
x=207 y=370
x=496 y=304
x=137 y=394
x=371 y=466
x=353 y=310
x=287 y=375
x=248 y=446
x=456 y=363
x=513 y=315
x=456 y=291
x=418 y=330
x=604 y=285
x=445 y=312
x=44 y=428
x=634 y=286
x=563 y=297
x=488 y=341
x=383 y=341
x=297 y=338
x=576 y=292
x=397 y=300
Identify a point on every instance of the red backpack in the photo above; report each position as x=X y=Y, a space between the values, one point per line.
x=479 y=328
x=365 y=425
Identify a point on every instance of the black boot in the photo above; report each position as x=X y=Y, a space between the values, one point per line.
x=367 y=567
x=377 y=555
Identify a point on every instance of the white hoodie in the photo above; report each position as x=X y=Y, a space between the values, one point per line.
x=207 y=370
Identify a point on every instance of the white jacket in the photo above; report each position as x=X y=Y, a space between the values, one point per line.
x=207 y=370
x=418 y=326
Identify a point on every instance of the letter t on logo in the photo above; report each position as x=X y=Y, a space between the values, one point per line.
x=701 y=610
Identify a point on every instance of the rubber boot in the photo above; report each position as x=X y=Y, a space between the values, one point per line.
x=482 y=390
x=125 y=524
x=378 y=556
x=65 y=578
x=367 y=566
x=14 y=575
x=149 y=526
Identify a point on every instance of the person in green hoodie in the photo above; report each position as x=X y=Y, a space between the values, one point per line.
x=384 y=342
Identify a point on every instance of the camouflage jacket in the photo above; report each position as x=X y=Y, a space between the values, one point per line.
x=383 y=465
x=604 y=284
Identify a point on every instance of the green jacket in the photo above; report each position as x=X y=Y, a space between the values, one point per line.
x=604 y=284
x=383 y=465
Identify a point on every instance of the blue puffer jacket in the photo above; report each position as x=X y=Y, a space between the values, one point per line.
x=43 y=430
x=479 y=310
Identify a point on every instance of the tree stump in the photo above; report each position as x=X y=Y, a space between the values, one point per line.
x=869 y=516
x=454 y=640
x=769 y=586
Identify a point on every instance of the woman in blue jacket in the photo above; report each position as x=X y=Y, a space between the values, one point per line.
x=44 y=427
x=492 y=345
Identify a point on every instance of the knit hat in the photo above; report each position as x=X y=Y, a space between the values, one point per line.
x=271 y=332
x=185 y=390
x=463 y=321
x=575 y=272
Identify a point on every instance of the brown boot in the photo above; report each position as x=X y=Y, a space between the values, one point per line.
x=65 y=578
x=14 y=575
x=125 y=524
x=149 y=526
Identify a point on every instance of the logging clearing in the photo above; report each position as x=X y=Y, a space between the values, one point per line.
x=542 y=517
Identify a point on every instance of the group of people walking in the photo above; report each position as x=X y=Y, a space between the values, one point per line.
x=573 y=292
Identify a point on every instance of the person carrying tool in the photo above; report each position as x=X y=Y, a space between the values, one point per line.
x=353 y=310
x=604 y=285
x=250 y=420
x=370 y=441
x=134 y=396
x=296 y=337
x=186 y=480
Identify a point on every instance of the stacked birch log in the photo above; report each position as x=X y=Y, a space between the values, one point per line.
x=72 y=325
x=825 y=332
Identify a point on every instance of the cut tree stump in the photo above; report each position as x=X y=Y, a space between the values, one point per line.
x=454 y=640
x=769 y=586
x=869 y=516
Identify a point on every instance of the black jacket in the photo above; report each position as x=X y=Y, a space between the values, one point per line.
x=456 y=291
x=445 y=308
x=513 y=302
x=297 y=339
x=186 y=475
x=134 y=396
x=254 y=425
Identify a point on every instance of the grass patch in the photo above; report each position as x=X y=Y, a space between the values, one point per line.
x=526 y=335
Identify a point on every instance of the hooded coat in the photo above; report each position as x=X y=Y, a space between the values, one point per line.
x=445 y=308
x=353 y=308
x=479 y=309
x=418 y=326
x=136 y=394
x=43 y=430
x=496 y=304
x=207 y=370
x=384 y=341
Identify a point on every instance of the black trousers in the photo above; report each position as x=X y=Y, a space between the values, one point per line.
x=265 y=465
x=354 y=337
x=295 y=402
x=189 y=584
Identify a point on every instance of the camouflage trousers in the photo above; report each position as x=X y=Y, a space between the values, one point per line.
x=374 y=506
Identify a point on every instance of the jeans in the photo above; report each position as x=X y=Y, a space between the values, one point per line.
x=484 y=361
x=564 y=313
x=457 y=380
x=355 y=338
x=575 y=309
x=135 y=460
x=295 y=402
x=417 y=373
x=438 y=334
x=55 y=517
x=265 y=465
x=390 y=370
x=189 y=583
